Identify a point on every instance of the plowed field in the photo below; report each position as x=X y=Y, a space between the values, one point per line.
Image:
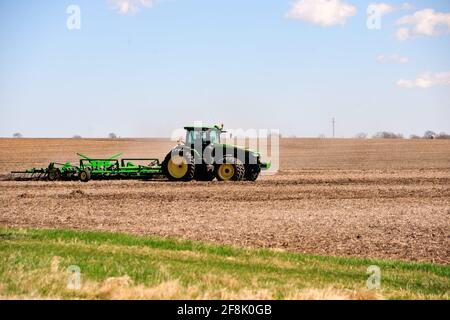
x=367 y=198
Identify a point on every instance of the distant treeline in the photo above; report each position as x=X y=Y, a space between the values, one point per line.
x=391 y=135
x=112 y=135
x=362 y=135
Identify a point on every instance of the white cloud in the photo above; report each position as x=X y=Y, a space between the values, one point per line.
x=426 y=80
x=382 y=8
x=323 y=12
x=393 y=58
x=403 y=34
x=406 y=6
x=425 y=22
x=131 y=6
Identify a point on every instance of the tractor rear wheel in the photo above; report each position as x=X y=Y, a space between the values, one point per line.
x=85 y=175
x=179 y=167
x=252 y=173
x=203 y=174
x=231 y=169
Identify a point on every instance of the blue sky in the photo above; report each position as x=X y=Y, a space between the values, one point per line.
x=248 y=64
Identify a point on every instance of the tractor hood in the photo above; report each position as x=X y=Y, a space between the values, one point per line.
x=255 y=152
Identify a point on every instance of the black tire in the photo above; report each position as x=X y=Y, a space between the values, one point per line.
x=54 y=175
x=252 y=172
x=84 y=175
x=238 y=166
x=203 y=174
x=190 y=172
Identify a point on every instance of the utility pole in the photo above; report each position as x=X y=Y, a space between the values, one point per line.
x=333 y=122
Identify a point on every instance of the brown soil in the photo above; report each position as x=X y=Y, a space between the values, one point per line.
x=368 y=198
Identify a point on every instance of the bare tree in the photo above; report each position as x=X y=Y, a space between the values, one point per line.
x=77 y=136
x=17 y=135
x=415 y=136
x=112 y=135
x=429 y=134
x=387 y=135
x=361 y=135
x=443 y=135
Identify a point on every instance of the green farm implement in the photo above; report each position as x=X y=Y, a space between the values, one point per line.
x=130 y=168
x=95 y=169
x=201 y=157
x=54 y=171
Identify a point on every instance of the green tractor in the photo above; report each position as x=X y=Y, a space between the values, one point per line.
x=203 y=157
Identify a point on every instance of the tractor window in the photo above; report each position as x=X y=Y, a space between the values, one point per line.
x=205 y=136
x=192 y=136
x=213 y=136
x=195 y=135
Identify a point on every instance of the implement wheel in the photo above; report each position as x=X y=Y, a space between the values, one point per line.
x=53 y=175
x=231 y=169
x=85 y=176
x=179 y=167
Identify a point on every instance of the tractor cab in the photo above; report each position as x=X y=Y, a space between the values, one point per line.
x=207 y=135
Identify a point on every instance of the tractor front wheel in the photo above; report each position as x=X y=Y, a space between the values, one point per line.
x=231 y=169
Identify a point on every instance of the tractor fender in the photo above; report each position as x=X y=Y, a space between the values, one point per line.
x=245 y=156
x=226 y=159
x=183 y=150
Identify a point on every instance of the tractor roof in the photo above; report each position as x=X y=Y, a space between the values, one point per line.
x=204 y=128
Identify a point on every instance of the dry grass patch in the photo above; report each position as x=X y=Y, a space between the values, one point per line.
x=34 y=264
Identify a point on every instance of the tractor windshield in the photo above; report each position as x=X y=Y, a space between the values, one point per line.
x=206 y=136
